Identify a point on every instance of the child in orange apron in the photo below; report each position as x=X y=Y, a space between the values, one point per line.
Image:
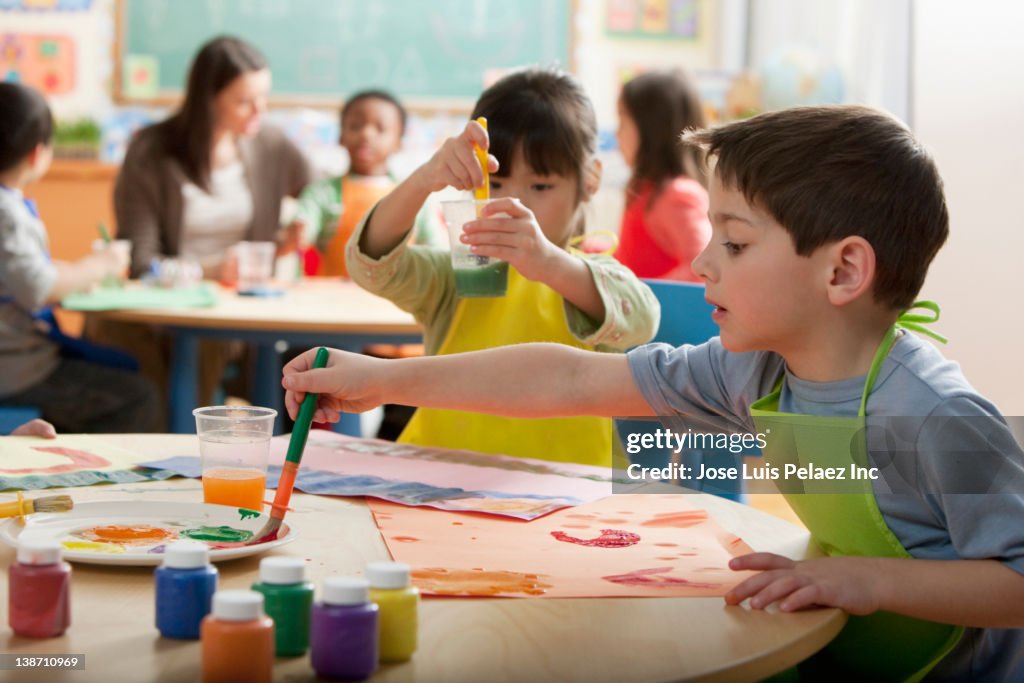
x=542 y=141
x=372 y=126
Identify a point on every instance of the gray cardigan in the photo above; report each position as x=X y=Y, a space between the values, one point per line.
x=148 y=194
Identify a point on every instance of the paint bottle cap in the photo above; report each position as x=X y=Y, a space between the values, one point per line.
x=186 y=555
x=387 y=574
x=346 y=590
x=282 y=570
x=39 y=552
x=237 y=605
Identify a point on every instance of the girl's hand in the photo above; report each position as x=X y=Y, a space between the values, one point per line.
x=345 y=384
x=507 y=230
x=455 y=164
x=36 y=428
x=849 y=583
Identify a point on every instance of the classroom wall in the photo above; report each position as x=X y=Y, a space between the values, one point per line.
x=966 y=107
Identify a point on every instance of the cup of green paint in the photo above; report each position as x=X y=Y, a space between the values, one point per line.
x=475 y=275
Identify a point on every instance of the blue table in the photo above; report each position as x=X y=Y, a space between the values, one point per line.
x=313 y=312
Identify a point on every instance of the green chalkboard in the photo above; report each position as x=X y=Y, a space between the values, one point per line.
x=425 y=51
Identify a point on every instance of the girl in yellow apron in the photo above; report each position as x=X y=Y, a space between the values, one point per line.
x=542 y=131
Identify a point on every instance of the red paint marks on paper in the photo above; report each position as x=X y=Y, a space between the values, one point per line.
x=609 y=538
x=80 y=460
x=654 y=578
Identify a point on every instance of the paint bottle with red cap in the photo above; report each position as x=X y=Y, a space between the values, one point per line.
x=39 y=591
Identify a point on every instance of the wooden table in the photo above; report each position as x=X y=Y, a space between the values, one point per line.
x=471 y=639
x=314 y=311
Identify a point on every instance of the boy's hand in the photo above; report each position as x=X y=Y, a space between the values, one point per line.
x=345 y=384
x=40 y=428
x=849 y=583
x=455 y=164
x=508 y=230
x=289 y=238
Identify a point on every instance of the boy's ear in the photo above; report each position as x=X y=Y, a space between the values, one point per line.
x=853 y=270
x=592 y=178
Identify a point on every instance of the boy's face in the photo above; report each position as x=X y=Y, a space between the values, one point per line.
x=551 y=198
x=371 y=132
x=40 y=161
x=239 y=107
x=766 y=296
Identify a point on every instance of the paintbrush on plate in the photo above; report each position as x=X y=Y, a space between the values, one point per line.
x=26 y=506
x=296 y=445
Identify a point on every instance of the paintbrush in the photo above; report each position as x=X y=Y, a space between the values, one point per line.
x=296 y=445
x=23 y=506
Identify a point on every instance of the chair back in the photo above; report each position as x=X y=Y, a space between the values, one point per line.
x=685 y=315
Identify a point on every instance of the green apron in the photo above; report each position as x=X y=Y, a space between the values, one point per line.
x=846 y=521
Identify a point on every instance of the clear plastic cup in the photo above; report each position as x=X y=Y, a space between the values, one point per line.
x=234 y=443
x=255 y=265
x=475 y=276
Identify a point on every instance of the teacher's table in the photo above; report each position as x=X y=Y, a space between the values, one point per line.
x=469 y=639
x=312 y=312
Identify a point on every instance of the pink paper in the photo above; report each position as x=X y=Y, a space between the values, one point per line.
x=639 y=545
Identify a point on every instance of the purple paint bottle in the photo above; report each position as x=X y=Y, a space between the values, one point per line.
x=344 y=630
x=39 y=591
x=185 y=584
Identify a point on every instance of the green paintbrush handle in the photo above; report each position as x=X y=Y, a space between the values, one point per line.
x=305 y=417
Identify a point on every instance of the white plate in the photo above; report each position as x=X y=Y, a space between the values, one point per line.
x=175 y=517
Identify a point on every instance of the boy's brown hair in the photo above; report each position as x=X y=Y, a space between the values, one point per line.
x=825 y=173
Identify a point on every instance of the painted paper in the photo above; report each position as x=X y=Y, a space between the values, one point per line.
x=623 y=545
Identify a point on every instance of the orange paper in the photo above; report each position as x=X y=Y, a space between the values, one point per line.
x=640 y=545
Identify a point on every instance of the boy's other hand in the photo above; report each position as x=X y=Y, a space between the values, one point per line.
x=40 y=428
x=456 y=165
x=345 y=384
x=849 y=583
x=508 y=230
x=289 y=238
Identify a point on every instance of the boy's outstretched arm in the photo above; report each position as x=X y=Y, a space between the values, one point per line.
x=526 y=380
x=978 y=593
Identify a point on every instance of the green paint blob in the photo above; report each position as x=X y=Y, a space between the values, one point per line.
x=218 y=534
x=247 y=514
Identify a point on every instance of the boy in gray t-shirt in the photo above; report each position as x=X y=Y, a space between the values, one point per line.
x=825 y=220
x=72 y=393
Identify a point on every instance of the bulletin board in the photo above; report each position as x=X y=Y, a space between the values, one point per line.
x=429 y=53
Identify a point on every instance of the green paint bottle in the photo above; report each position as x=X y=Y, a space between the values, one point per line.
x=288 y=600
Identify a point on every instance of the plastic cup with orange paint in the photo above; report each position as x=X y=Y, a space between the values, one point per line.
x=234 y=443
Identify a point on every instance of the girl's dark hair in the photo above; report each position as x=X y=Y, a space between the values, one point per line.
x=25 y=122
x=547 y=112
x=382 y=95
x=663 y=104
x=188 y=134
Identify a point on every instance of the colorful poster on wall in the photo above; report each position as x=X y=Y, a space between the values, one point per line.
x=45 y=5
x=657 y=19
x=44 y=61
x=140 y=76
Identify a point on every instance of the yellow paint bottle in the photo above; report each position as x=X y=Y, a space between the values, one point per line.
x=398 y=601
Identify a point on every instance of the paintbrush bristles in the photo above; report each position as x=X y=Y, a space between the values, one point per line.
x=53 y=504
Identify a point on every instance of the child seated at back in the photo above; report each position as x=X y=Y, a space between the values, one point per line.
x=825 y=220
x=372 y=125
x=541 y=137
x=665 y=223
x=72 y=393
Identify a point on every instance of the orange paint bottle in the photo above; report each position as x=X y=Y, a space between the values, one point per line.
x=238 y=639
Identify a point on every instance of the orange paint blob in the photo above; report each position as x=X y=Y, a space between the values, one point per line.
x=480 y=582
x=139 y=534
x=237 y=487
x=677 y=519
x=405 y=539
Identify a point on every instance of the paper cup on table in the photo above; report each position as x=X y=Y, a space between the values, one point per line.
x=123 y=249
x=234 y=443
x=255 y=265
x=475 y=276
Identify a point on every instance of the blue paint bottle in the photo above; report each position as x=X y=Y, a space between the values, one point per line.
x=185 y=584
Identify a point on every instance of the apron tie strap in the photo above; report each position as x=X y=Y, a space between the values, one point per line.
x=918 y=322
